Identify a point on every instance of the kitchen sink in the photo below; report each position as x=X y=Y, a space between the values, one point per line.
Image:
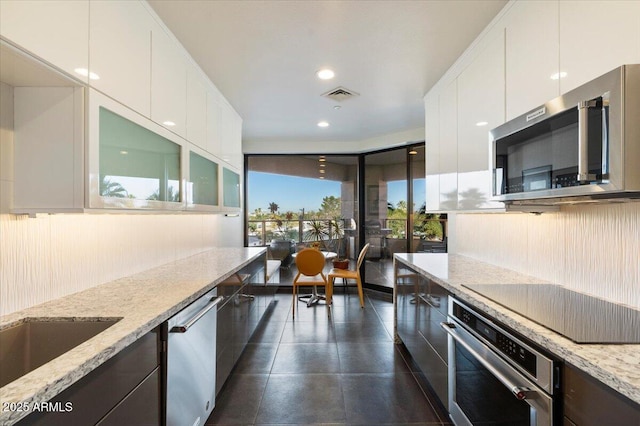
x=34 y=342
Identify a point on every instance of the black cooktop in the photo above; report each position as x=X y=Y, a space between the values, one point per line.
x=577 y=316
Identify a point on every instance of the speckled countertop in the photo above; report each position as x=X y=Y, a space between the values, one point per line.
x=618 y=366
x=143 y=301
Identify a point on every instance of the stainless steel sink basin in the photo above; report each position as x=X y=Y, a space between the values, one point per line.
x=30 y=344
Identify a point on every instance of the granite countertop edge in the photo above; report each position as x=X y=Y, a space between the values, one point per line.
x=617 y=366
x=141 y=301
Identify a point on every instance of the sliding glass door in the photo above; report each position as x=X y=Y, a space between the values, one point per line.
x=394 y=193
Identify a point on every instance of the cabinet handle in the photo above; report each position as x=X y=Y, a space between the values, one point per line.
x=520 y=392
x=184 y=328
x=583 y=140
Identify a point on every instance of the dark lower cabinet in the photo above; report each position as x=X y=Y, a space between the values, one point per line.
x=247 y=298
x=421 y=305
x=137 y=408
x=118 y=388
x=589 y=402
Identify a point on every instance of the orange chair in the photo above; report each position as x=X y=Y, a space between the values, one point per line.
x=310 y=263
x=347 y=274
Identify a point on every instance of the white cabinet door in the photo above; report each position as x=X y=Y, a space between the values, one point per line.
x=231 y=136
x=168 y=83
x=196 y=109
x=432 y=151
x=531 y=55
x=120 y=52
x=448 y=165
x=596 y=37
x=214 y=118
x=56 y=31
x=480 y=108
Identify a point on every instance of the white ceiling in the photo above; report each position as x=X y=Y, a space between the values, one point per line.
x=263 y=56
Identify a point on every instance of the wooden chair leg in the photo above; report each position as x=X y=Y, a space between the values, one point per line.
x=360 y=293
x=329 y=290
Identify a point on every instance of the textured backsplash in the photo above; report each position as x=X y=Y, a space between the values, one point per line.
x=594 y=249
x=55 y=255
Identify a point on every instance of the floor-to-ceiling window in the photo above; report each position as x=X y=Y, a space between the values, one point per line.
x=301 y=200
x=340 y=203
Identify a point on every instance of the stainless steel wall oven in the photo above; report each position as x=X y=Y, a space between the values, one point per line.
x=496 y=377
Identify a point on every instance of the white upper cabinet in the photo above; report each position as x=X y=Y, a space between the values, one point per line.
x=120 y=52
x=432 y=151
x=480 y=105
x=480 y=109
x=596 y=37
x=168 y=83
x=55 y=31
x=532 y=55
x=448 y=164
x=230 y=136
x=196 y=108
x=214 y=118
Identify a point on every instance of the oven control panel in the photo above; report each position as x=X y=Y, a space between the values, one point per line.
x=498 y=339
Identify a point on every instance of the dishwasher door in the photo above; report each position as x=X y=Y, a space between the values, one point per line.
x=191 y=362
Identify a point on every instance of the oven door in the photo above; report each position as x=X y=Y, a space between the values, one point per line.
x=486 y=389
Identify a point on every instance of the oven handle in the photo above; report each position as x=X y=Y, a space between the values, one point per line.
x=521 y=393
x=184 y=328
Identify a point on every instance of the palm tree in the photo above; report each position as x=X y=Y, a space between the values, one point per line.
x=273 y=207
x=112 y=189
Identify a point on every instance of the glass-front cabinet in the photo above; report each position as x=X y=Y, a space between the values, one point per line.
x=202 y=185
x=135 y=163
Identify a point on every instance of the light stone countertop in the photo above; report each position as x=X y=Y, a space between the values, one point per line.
x=616 y=365
x=143 y=301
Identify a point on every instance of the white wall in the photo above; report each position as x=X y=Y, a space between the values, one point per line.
x=332 y=147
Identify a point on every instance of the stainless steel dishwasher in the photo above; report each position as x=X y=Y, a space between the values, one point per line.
x=191 y=362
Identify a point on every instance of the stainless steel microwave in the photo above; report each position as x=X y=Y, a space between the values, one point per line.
x=581 y=146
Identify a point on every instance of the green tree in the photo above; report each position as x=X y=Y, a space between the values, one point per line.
x=273 y=208
x=331 y=206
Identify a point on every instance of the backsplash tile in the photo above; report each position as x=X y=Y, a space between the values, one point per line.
x=51 y=256
x=590 y=248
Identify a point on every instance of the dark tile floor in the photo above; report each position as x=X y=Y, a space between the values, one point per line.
x=320 y=370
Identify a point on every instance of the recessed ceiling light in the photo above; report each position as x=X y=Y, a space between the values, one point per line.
x=323 y=124
x=325 y=74
x=124 y=152
x=169 y=123
x=323 y=165
x=85 y=73
x=558 y=75
x=321 y=177
x=337 y=107
x=322 y=159
x=413 y=152
x=481 y=123
x=321 y=170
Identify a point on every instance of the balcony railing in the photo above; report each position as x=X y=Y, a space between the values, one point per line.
x=262 y=231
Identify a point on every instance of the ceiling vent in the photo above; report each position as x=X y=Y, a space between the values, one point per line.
x=340 y=94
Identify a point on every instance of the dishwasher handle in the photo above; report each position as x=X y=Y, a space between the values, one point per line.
x=184 y=328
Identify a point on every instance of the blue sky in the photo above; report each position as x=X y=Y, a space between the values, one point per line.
x=292 y=193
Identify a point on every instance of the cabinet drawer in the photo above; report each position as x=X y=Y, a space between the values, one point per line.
x=141 y=407
x=97 y=393
x=588 y=401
